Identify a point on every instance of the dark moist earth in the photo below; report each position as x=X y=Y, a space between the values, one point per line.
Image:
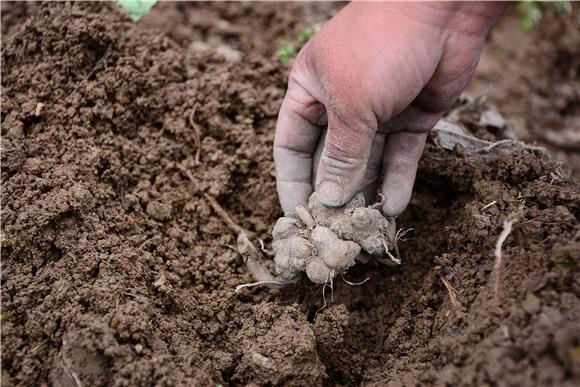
x=116 y=270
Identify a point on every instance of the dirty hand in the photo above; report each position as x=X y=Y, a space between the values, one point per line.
x=364 y=92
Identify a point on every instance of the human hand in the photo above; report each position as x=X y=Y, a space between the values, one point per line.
x=365 y=91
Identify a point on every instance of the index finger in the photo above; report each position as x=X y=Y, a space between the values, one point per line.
x=298 y=129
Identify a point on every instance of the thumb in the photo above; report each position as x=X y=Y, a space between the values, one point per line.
x=343 y=162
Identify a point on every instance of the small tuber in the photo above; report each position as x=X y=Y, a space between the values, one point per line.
x=324 y=242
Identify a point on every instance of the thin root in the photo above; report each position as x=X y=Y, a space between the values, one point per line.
x=217 y=208
x=507 y=229
x=264 y=250
x=379 y=205
x=400 y=234
x=391 y=256
x=496 y=144
x=354 y=283
x=328 y=281
x=269 y=284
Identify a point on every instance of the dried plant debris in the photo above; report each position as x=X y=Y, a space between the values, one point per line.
x=323 y=242
x=448 y=135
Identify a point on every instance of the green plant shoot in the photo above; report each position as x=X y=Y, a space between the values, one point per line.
x=136 y=8
x=289 y=50
x=305 y=35
x=286 y=52
x=530 y=13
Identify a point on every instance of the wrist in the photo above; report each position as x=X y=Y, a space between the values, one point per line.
x=466 y=18
x=475 y=18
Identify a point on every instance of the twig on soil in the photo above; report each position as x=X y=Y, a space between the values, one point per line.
x=101 y=60
x=196 y=136
x=224 y=215
x=523 y=145
x=38 y=347
x=452 y=292
x=489 y=205
x=507 y=229
x=216 y=207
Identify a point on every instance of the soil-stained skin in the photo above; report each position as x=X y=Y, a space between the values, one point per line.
x=115 y=269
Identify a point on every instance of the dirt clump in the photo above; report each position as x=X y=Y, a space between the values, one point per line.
x=117 y=270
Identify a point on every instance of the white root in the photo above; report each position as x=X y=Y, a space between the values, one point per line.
x=354 y=283
x=391 y=256
x=400 y=234
x=489 y=205
x=329 y=280
x=507 y=229
x=267 y=283
x=379 y=204
x=264 y=249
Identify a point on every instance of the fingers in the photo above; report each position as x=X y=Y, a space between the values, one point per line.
x=344 y=159
x=400 y=161
x=370 y=181
x=297 y=132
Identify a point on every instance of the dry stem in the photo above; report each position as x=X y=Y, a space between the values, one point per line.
x=452 y=292
x=224 y=215
x=196 y=135
x=489 y=205
x=496 y=144
x=216 y=207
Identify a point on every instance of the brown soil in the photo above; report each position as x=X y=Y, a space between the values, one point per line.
x=533 y=77
x=116 y=269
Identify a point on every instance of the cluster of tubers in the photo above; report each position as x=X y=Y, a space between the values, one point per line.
x=323 y=242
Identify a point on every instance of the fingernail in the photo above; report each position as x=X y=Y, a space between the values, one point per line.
x=395 y=201
x=330 y=194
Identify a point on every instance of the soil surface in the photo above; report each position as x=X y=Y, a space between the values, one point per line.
x=116 y=270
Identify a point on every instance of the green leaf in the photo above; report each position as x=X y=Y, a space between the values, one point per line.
x=136 y=8
x=529 y=14
x=561 y=7
x=305 y=35
x=286 y=52
x=4 y=316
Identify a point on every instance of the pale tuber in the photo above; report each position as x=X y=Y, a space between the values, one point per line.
x=324 y=242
